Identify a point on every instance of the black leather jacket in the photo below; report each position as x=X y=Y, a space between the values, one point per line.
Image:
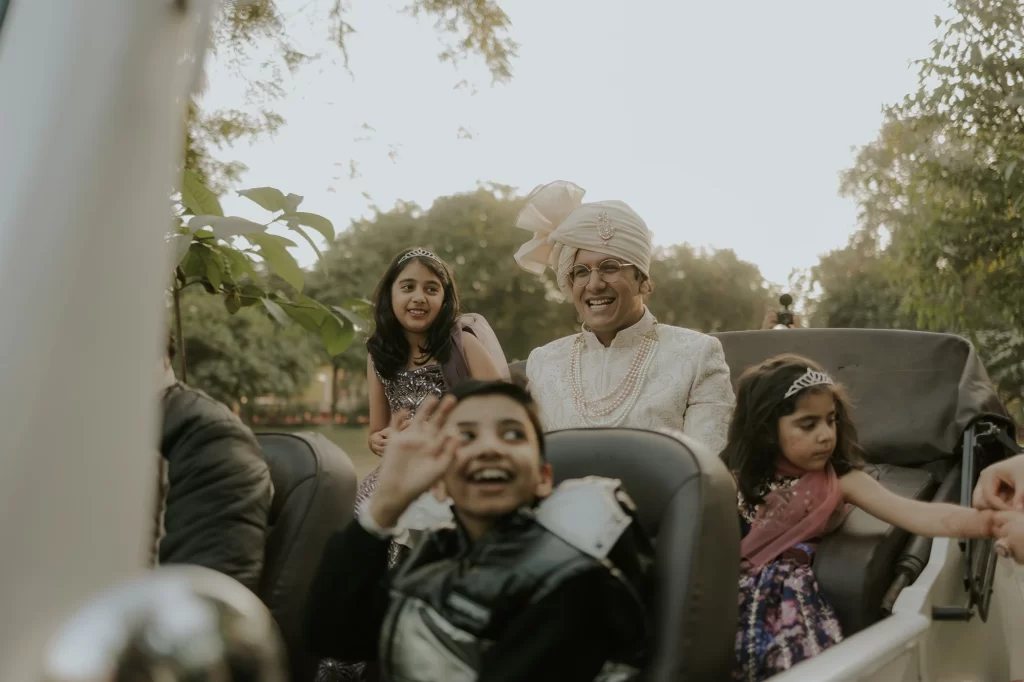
x=550 y=594
x=217 y=490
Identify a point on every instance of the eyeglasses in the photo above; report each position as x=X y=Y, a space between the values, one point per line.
x=609 y=269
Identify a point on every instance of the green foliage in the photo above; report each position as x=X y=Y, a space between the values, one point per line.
x=245 y=354
x=858 y=286
x=217 y=253
x=945 y=179
x=713 y=291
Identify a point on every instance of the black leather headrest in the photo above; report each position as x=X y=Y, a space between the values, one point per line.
x=686 y=501
x=913 y=392
x=314 y=496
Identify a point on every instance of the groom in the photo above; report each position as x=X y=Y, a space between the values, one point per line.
x=623 y=368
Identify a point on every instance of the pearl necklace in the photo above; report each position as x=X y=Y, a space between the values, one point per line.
x=624 y=396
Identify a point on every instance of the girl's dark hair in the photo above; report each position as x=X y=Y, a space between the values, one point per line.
x=388 y=346
x=753 y=446
x=473 y=388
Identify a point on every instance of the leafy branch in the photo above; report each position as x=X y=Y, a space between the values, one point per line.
x=219 y=253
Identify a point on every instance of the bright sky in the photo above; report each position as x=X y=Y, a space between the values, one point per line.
x=723 y=124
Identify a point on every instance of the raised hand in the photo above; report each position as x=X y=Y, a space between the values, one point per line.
x=1001 y=486
x=415 y=458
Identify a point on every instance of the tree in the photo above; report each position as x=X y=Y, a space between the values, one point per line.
x=945 y=179
x=239 y=357
x=857 y=286
x=712 y=291
x=254 y=38
x=945 y=176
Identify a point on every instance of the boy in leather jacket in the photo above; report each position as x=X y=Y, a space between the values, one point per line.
x=533 y=583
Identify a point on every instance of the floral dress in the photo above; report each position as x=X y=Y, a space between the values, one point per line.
x=783 y=617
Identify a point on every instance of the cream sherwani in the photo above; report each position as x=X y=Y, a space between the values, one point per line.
x=687 y=387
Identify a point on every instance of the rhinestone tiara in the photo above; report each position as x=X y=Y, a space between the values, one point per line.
x=417 y=253
x=809 y=378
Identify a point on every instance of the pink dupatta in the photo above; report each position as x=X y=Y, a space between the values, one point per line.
x=792 y=515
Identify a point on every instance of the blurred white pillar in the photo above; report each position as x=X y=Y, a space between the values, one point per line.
x=91 y=124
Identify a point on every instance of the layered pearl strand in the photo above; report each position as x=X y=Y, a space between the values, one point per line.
x=597 y=412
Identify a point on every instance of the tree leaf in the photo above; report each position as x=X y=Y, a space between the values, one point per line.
x=197 y=198
x=224 y=227
x=315 y=221
x=267 y=197
x=250 y=295
x=275 y=255
x=309 y=317
x=232 y=301
x=360 y=306
x=337 y=334
x=309 y=239
x=291 y=203
x=214 y=270
x=177 y=247
x=240 y=264
x=357 y=320
x=275 y=311
x=193 y=264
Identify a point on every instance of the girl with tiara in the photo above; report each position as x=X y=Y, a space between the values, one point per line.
x=421 y=346
x=793 y=450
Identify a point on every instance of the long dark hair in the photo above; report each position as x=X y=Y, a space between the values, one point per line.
x=388 y=346
x=753 y=446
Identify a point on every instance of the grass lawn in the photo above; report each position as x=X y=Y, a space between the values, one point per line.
x=351 y=439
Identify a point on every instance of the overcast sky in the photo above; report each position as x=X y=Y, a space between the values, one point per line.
x=723 y=124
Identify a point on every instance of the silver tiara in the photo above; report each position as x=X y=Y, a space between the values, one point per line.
x=809 y=378
x=417 y=253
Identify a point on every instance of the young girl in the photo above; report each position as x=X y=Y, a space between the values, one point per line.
x=421 y=347
x=793 y=450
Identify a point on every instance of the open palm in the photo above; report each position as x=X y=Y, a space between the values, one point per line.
x=415 y=457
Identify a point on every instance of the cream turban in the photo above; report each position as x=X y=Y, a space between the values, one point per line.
x=562 y=224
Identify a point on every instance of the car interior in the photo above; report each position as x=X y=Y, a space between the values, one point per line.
x=314 y=495
x=685 y=497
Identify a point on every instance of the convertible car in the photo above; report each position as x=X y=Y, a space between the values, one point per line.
x=92 y=127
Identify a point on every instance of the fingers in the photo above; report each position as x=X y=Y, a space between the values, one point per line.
x=991 y=499
x=434 y=411
x=1018 y=499
x=987 y=492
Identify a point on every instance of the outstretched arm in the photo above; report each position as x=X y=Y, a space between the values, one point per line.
x=931 y=519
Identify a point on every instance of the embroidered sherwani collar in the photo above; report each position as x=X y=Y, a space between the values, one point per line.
x=627 y=338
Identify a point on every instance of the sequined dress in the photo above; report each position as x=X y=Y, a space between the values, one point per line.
x=405 y=391
x=783 y=616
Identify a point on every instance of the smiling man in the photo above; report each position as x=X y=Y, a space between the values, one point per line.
x=532 y=583
x=623 y=368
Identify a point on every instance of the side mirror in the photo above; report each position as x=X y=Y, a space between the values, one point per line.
x=174 y=623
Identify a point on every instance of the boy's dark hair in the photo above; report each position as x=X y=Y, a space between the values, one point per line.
x=473 y=388
x=388 y=346
x=753 y=446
